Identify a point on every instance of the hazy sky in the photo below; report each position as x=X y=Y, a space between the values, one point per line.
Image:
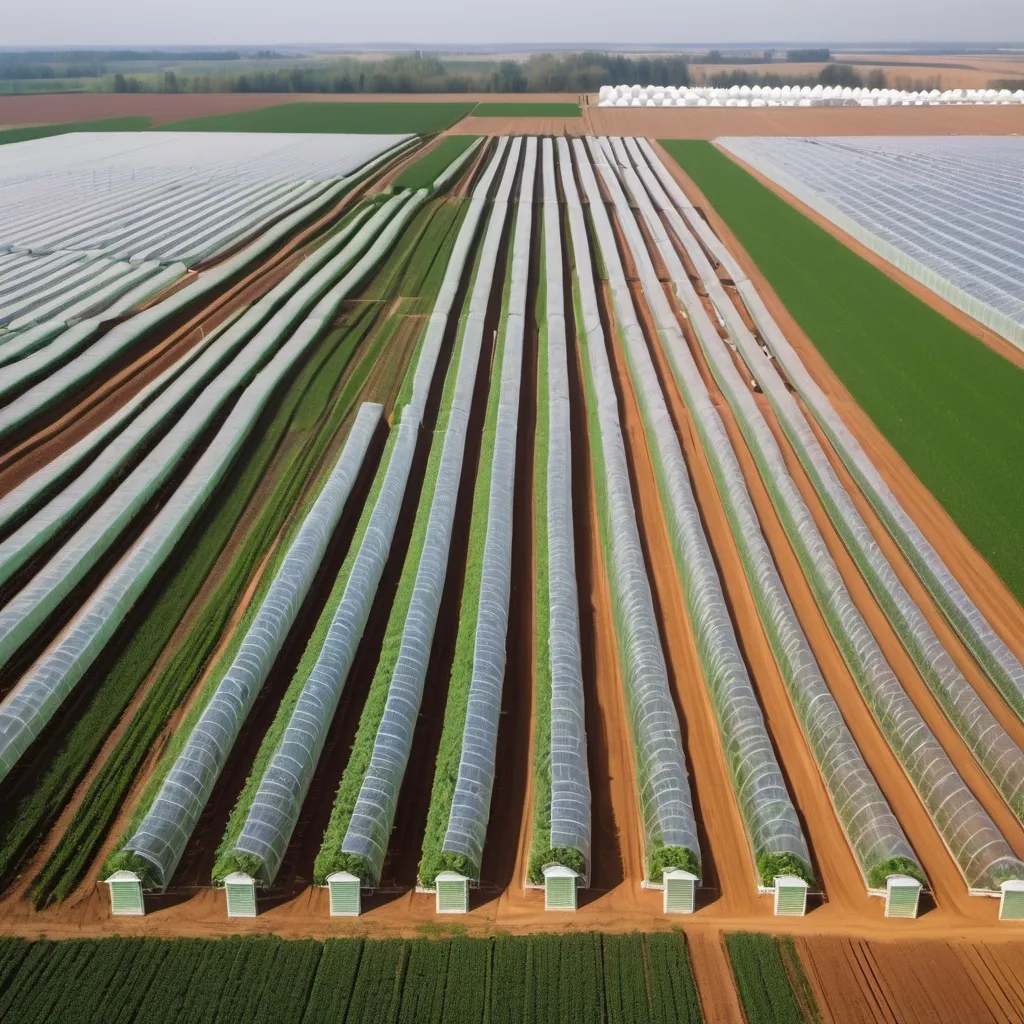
x=153 y=22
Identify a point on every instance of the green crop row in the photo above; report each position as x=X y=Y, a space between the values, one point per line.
x=331 y=858
x=544 y=979
x=658 y=856
x=772 y=985
x=540 y=838
x=449 y=755
x=424 y=171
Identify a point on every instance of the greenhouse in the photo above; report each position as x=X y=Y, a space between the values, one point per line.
x=947 y=211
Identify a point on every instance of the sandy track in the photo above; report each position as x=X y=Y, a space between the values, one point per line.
x=718 y=996
x=709 y=123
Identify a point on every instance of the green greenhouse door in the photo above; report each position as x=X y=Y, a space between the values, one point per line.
x=452 y=893
x=1011 y=904
x=902 y=897
x=560 y=894
x=680 y=891
x=344 y=890
x=126 y=898
x=241 y=895
x=790 y=896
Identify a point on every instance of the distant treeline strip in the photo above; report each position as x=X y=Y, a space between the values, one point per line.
x=545 y=72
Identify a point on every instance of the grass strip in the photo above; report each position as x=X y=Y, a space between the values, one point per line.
x=354 y=118
x=527 y=109
x=43 y=131
x=423 y=172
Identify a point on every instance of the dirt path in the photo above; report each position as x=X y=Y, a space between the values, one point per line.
x=718 y=996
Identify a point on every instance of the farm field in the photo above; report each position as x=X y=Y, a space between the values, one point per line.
x=526 y=109
x=372 y=118
x=948 y=403
x=110 y=124
x=474 y=531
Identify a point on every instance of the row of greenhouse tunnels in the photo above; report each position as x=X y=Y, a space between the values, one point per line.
x=561 y=888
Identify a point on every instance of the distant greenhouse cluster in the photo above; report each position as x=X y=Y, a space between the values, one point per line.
x=797 y=96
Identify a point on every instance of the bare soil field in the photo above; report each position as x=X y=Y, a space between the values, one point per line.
x=705 y=123
x=857 y=981
x=55 y=108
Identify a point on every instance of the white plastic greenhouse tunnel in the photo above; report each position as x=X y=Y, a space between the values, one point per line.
x=560 y=885
x=790 y=896
x=126 y=894
x=452 y=893
x=902 y=894
x=759 y=96
x=346 y=898
x=240 y=890
x=679 y=891
x=1011 y=900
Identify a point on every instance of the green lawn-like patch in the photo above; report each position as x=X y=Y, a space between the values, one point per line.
x=949 y=404
x=355 y=118
x=543 y=979
x=771 y=981
x=422 y=173
x=527 y=109
x=42 y=131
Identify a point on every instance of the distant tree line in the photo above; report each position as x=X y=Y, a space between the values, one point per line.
x=45 y=64
x=578 y=72
x=832 y=74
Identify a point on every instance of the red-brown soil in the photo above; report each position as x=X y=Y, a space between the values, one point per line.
x=54 y=108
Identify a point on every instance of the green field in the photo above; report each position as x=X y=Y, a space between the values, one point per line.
x=950 y=405
x=423 y=172
x=358 y=118
x=625 y=979
x=526 y=109
x=110 y=124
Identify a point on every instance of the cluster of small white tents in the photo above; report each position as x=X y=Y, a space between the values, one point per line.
x=796 y=96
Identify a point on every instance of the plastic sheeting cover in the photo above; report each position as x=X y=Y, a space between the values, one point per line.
x=980 y=850
x=40 y=693
x=373 y=814
x=569 y=773
x=471 y=801
x=768 y=814
x=949 y=211
x=164 y=832
x=665 y=800
x=276 y=806
x=866 y=818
